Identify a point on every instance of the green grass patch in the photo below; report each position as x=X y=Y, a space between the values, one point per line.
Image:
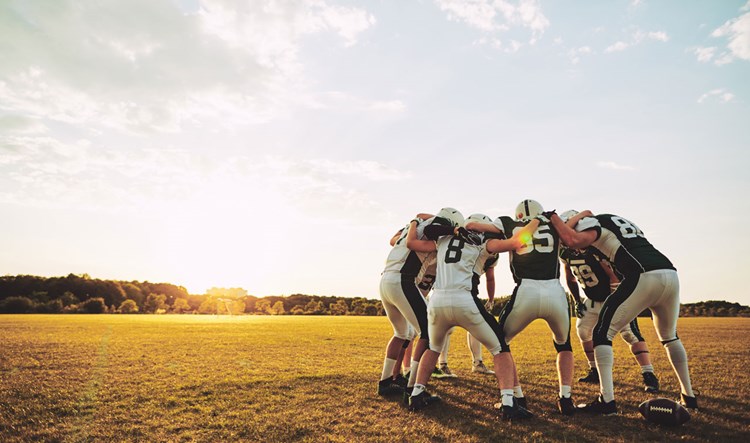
x=301 y=378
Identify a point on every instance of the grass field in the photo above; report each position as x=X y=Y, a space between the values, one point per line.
x=299 y=378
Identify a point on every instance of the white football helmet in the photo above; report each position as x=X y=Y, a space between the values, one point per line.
x=567 y=215
x=528 y=209
x=453 y=215
x=481 y=218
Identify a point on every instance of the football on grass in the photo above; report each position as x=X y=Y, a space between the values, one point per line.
x=664 y=411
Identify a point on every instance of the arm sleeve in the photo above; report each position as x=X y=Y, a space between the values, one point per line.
x=433 y=232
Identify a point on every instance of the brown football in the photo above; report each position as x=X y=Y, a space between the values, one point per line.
x=664 y=411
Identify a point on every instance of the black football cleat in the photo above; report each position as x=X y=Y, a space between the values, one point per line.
x=521 y=401
x=422 y=400
x=401 y=381
x=591 y=377
x=389 y=387
x=407 y=394
x=599 y=407
x=515 y=412
x=650 y=382
x=691 y=403
x=566 y=406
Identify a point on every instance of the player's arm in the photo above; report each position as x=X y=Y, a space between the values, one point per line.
x=572 y=283
x=483 y=227
x=517 y=241
x=573 y=287
x=396 y=236
x=419 y=245
x=571 y=237
x=573 y=221
x=490 y=283
x=613 y=280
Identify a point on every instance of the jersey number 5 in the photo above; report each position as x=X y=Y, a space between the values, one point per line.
x=541 y=241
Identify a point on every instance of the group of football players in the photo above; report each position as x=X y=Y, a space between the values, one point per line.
x=620 y=272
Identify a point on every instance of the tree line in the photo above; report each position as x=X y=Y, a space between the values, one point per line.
x=73 y=293
x=83 y=294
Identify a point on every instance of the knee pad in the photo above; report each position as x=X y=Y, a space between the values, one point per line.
x=629 y=337
x=666 y=342
x=585 y=333
x=563 y=347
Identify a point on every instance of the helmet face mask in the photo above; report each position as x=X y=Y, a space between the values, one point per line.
x=453 y=215
x=528 y=209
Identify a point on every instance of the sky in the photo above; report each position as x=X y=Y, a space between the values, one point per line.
x=277 y=145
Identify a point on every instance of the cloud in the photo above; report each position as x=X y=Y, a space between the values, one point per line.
x=721 y=95
x=147 y=66
x=494 y=16
x=737 y=33
x=615 y=166
x=44 y=172
x=703 y=54
x=637 y=37
x=616 y=47
x=575 y=54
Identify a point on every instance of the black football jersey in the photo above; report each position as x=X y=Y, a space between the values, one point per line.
x=624 y=244
x=587 y=268
x=537 y=259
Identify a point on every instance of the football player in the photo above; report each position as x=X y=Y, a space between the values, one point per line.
x=597 y=278
x=455 y=303
x=649 y=281
x=404 y=306
x=486 y=266
x=538 y=292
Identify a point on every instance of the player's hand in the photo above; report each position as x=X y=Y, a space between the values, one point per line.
x=580 y=309
x=469 y=237
x=489 y=305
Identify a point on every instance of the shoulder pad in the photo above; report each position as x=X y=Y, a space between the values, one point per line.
x=587 y=223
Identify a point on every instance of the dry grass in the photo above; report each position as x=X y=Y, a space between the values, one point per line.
x=208 y=378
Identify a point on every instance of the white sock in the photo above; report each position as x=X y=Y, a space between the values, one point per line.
x=388 y=365
x=678 y=358
x=413 y=374
x=517 y=391
x=565 y=391
x=605 y=359
x=647 y=368
x=418 y=389
x=507 y=397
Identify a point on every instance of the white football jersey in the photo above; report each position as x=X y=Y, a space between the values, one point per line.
x=402 y=259
x=456 y=262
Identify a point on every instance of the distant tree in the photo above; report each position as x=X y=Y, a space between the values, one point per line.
x=278 y=308
x=297 y=310
x=181 y=306
x=371 y=309
x=227 y=293
x=51 y=307
x=17 y=305
x=68 y=298
x=154 y=303
x=134 y=293
x=208 y=306
x=128 y=307
x=93 y=306
x=263 y=306
x=314 y=308
x=338 y=307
